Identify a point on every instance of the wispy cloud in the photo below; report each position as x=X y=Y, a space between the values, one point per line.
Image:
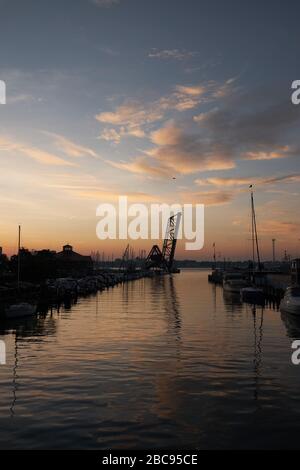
x=224 y=182
x=129 y=119
x=257 y=132
x=106 y=195
x=133 y=117
x=111 y=135
x=191 y=90
x=105 y=3
x=278 y=227
x=20 y=98
x=171 y=54
x=35 y=153
x=226 y=89
x=101 y=192
x=240 y=181
x=142 y=166
x=217 y=139
x=209 y=198
x=281 y=152
x=70 y=148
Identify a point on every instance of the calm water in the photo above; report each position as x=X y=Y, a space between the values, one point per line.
x=160 y=362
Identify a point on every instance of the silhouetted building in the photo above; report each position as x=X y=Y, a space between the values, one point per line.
x=4 y=267
x=70 y=263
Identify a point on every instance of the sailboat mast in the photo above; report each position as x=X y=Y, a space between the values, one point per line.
x=19 y=253
x=252 y=232
x=215 y=263
x=254 y=229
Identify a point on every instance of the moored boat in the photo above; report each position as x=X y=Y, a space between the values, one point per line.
x=291 y=301
x=216 y=276
x=252 y=295
x=234 y=282
x=19 y=310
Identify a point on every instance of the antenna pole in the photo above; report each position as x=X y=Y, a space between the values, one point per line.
x=214 y=247
x=274 y=252
x=19 y=254
x=255 y=230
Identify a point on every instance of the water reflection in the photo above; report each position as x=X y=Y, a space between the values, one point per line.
x=232 y=302
x=214 y=297
x=33 y=330
x=164 y=362
x=14 y=380
x=258 y=321
x=172 y=306
x=168 y=400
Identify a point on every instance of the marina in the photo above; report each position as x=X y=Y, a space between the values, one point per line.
x=159 y=362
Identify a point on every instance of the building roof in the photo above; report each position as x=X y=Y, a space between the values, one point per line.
x=69 y=255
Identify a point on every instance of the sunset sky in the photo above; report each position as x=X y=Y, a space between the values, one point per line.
x=108 y=98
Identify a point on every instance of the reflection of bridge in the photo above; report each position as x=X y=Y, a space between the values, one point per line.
x=258 y=351
x=164 y=259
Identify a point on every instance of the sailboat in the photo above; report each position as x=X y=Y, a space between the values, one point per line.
x=20 y=309
x=252 y=294
x=291 y=301
x=216 y=275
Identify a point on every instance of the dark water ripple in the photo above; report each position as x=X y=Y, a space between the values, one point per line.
x=160 y=362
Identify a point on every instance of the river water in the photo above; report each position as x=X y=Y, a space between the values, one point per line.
x=156 y=363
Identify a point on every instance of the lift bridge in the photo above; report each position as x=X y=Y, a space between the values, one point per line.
x=163 y=259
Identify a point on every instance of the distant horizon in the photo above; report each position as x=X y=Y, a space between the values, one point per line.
x=108 y=256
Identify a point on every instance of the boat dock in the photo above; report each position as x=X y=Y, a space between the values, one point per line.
x=56 y=292
x=272 y=283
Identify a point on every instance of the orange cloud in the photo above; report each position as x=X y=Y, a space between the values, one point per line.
x=37 y=154
x=282 y=152
x=278 y=227
x=225 y=181
x=209 y=198
x=70 y=148
x=238 y=181
x=132 y=118
x=168 y=135
x=142 y=166
x=185 y=153
x=191 y=90
x=101 y=195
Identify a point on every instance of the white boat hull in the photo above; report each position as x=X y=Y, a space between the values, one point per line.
x=290 y=307
x=291 y=301
x=234 y=286
x=252 y=295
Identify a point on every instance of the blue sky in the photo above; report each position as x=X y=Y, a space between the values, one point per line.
x=117 y=97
